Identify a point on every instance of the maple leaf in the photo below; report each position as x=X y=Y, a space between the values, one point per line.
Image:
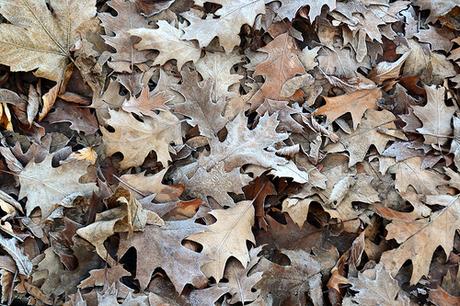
x=355 y=103
x=135 y=139
x=232 y=15
x=435 y=116
x=161 y=247
x=38 y=38
x=358 y=143
x=376 y=287
x=199 y=106
x=281 y=65
x=225 y=238
x=437 y=230
x=118 y=37
x=167 y=40
x=47 y=187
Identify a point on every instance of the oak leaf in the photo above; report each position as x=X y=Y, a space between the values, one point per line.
x=410 y=173
x=289 y=8
x=161 y=247
x=117 y=35
x=435 y=116
x=376 y=287
x=47 y=187
x=203 y=111
x=232 y=15
x=244 y=146
x=37 y=38
x=437 y=230
x=281 y=64
x=217 y=67
x=290 y=284
x=355 y=103
x=135 y=139
x=358 y=143
x=146 y=103
x=128 y=216
x=225 y=238
x=167 y=40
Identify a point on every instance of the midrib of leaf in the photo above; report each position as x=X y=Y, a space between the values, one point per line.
x=26 y=4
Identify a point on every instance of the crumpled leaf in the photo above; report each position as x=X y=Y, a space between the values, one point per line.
x=129 y=217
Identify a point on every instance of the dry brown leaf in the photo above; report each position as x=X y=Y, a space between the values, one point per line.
x=376 y=287
x=435 y=117
x=226 y=238
x=47 y=187
x=437 y=230
x=118 y=37
x=128 y=216
x=358 y=143
x=145 y=185
x=291 y=284
x=37 y=38
x=355 y=103
x=203 y=111
x=146 y=103
x=167 y=40
x=162 y=247
x=232 y=15
x=282 y=63
x=135 y=139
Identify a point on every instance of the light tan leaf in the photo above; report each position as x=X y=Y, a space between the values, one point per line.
x=37 y=38
x=377 y=287
x=386 y=70
x=244 y=146
x=217 y=66
x=152 y=184
x=435 y=116
x=232 y=15
x=167 y=40
x=146 y=103
x=358 y=143
x=135 y=139
x=410 y=172
x=355 y=103
x=47 y=187
x=118 y=37
x=203 y=111
x=226 y=237
x=438 y=230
